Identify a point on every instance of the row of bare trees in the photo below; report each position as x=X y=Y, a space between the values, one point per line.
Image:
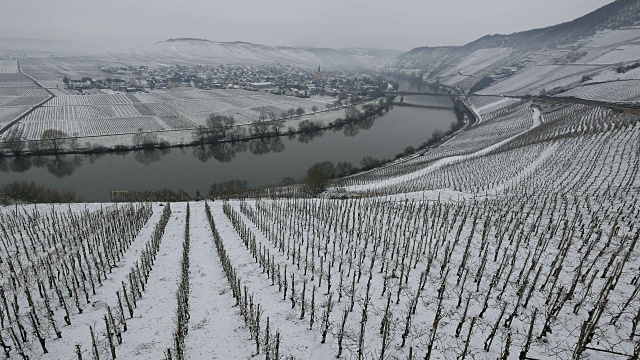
x=52 y=141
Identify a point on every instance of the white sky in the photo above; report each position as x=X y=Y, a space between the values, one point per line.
x=394 y=24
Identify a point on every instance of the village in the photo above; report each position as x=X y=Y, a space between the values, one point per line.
x=273 y=78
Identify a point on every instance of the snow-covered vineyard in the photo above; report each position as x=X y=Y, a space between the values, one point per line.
x=18 y=93
x=109 y=113
x=517 y=238
x=105 y=114
x=601 y=67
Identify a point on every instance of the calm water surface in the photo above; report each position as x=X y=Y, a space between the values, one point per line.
x=260 y=162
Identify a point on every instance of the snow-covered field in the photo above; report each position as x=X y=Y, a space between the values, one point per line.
x=536 y=78
x=615 y=91
x=8 y=66
x=116 y=113
x=18 y=93
x=515 y=238
x=51 y=71
x=177 y=137
x=473 y=64
x=518 y=73
x=522 y=244
x=614 y=37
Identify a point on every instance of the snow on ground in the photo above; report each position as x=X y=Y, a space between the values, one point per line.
x=177 y=137
x=472 y=64
x=485 y=109
x=622 y=54
x=300 y=342
x=450 y=195
x=78 y=332
x=613 y=37
x=616 y=91
x=613 y=75
x=185 y=51
x=216 y=330
x=534 y=79
x=442 y=162
x=151 y=330
x=161 y=110
x=18 y=94
x=8 y=66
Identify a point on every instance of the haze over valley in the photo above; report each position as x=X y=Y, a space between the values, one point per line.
x=279 y=180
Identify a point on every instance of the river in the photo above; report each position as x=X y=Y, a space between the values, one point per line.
x=260 y=162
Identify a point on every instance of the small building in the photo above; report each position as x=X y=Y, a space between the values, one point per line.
x=79 y=84
x=261 y=85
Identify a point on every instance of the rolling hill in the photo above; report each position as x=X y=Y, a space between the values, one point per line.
x=202 y=51
x=553 y=59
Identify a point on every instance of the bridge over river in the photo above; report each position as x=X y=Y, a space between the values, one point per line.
x=436 y=107
x=412 y=93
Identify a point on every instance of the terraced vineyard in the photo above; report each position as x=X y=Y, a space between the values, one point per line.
x=515 y=237
x=18 y=93
x=506 y=120
x=518 y=237
x=107 y=114
x=618 y=91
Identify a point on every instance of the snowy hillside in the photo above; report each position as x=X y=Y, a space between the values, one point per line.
x=200 y=51
x=37 y=47
x=602 y=46
x=196 y=51
x=517 y=238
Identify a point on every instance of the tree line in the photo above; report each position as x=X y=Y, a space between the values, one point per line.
x=217 y=128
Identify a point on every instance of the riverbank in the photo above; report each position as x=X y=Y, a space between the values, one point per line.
x=262 y=162
x=118 y=143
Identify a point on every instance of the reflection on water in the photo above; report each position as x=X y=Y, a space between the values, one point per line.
x=225 y=152
x=147 y=157
x=65 y=165
x=261 y=162
x=59 y=166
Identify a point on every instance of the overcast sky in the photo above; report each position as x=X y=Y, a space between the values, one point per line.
x=394 y=24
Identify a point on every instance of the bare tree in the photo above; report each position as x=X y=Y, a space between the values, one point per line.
x=200 y=135
x=35 y=146
x=220 y=125
x=54 y=139
x=15 y=141
x=138 y=138
x=145 y=140
x=277 y=126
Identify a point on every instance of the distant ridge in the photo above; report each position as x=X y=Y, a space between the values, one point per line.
x=190 y=50
x=38 y=47
x=616 y=15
